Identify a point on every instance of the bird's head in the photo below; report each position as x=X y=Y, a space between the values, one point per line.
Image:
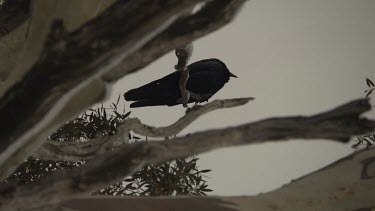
x=229 y=74
x=225 y=69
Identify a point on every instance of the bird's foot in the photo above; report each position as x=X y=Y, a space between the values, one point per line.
x=195 y=107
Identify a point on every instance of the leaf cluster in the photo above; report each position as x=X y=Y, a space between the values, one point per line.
x=371 y=87
x=34 y=169
x=100 y=121
x=179 y=177
x=364 y=142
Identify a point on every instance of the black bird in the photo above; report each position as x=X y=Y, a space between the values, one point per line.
x=206 y=77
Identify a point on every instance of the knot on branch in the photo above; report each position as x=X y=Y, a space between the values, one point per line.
x=58 y=36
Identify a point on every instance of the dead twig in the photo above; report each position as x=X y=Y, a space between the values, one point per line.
x=183 y=54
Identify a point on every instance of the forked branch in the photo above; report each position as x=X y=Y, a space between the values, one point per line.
x=338 y=124
x=52 y=150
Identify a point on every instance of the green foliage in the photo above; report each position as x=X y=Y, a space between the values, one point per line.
x=179 y=177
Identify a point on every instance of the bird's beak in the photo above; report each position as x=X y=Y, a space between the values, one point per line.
x=232 y=75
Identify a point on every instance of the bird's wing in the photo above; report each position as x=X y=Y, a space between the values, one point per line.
x=166 y=87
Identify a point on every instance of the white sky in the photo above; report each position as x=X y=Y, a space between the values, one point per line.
x=295 y=57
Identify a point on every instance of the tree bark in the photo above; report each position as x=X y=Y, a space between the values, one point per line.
x=70 y=61
x=345 y=185
x=338 y=124
x=183 y=54
x=33 y=104
x=212 y=16
x=75 y=151
x=45 y=92
x=12 y=14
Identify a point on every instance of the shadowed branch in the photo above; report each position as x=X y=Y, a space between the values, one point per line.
x=70 y=61
x=101 y=44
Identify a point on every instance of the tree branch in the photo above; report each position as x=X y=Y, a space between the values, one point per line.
x=70 y=61
x=53 y=150
x=338 y=186
x=338 y=124
x=212 y=16
x=12 y=14
x=40 y=94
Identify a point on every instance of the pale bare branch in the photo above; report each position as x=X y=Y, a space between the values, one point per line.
x=52 y=150
x=183 y=54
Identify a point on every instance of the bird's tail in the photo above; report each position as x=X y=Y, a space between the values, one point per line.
x=154 y=102
x=148 y=91
x=133 y=94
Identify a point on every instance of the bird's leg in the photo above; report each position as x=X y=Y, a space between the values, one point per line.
x=195 y=107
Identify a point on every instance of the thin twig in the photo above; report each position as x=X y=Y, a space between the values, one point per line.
x=183 y=54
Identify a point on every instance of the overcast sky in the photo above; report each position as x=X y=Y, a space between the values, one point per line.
x=296 y=58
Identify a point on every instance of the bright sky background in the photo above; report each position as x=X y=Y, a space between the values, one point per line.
x=296 y=58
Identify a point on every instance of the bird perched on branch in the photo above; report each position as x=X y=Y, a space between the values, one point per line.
x=206 y=77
